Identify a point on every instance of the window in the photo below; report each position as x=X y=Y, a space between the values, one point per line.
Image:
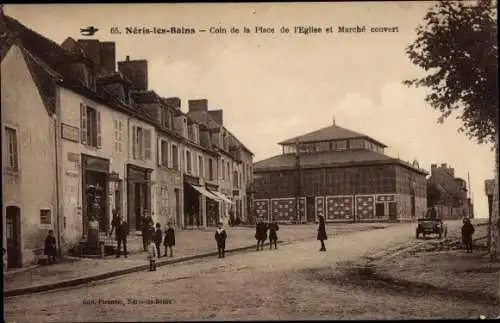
x=195 y=165
x=12 y=158
x=235 y=179
x=223 y=169
x=90 y=124
x=210 y=169
x=200 y=165
x=356 y=143
x=166 y=118
x=341 y=144
x=141 y=141
x=228 y=176
x=188 y=162
x=118 y=130
x=175 y=157
x=332 y=146
x=45 y=216
x=163 y=152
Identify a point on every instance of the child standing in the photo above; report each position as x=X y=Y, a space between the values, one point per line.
x=157 y=239
x=169 y=239
x=152 y=255
x=273 y=236
x=220 y=238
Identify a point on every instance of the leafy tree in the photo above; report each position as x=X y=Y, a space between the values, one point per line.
x=457 y=47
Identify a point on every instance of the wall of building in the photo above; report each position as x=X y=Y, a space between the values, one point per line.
x=32 y=188
x=71 y=166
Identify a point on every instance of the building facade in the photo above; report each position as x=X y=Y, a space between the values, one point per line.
x=340 y=174
x=448 y=193
x=100 y=141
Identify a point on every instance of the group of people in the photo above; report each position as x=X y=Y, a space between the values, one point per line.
x=261 y=234
x=152 y=237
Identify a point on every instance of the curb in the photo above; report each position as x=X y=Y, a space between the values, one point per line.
x=88 y=279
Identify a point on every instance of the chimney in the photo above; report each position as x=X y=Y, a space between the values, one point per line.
x=173 y=102
x=136 y=71
x=91 y=48
x=217 y=116
x=198 y=105
x=443 y=165
x=108 y=56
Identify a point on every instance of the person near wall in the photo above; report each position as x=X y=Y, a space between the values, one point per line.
x=467 y=232
x=260 y=234
x=158 y=236
x=122 y=232
x=146 y=225
x=169 y=241
x=50 y=249
x=322 y=232
x=115 y=222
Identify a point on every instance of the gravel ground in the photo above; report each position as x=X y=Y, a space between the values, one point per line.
x=287 y=283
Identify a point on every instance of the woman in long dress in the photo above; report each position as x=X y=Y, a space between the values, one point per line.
x=322 y=232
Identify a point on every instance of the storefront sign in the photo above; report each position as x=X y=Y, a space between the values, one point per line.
x=385 y=198
x=136 y=173
x=95 y=163
x=70 y=133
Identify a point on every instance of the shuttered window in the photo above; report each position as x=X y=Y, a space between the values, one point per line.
x=90 y=126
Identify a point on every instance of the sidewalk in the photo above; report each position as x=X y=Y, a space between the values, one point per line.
x=190 y=244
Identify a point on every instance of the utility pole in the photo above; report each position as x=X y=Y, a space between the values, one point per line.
x=298 y=184
x=495 y=220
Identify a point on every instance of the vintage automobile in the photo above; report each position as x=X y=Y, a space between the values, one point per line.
x=431 y=224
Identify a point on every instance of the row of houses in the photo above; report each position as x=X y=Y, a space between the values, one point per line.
x=84 y=136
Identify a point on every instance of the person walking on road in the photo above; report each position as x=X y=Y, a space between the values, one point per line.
x=322 y=232
x=50 y=247
x=158 y=236
x=467 y=232
x=260 y=234
x=220 y=238
x=273 y=235
x=121 y=238
x=169 y=241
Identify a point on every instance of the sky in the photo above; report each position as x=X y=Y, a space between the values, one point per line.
x=276 y=86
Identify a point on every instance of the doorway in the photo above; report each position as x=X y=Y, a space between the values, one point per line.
x=393 y=214
x=379 y=210
x=310 y=205
x=13 y=231
x=141 y=203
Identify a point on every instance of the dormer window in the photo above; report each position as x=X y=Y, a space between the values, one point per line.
x=88 y=78
x=341 y=144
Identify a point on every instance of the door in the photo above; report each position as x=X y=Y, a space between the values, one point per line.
x=311 y=214
x=178 y=219
x=379 y=210
x=393 y=214
x=138 y=206
x=13 y=231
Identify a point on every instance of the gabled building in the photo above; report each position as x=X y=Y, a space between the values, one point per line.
x=338 y=173
x=448 y=193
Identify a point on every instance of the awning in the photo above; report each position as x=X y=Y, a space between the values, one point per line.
x=203 y=191
x=222 y=197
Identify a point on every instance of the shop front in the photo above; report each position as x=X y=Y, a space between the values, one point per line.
x=95 y=181
x=138 y=195
x=212 y=205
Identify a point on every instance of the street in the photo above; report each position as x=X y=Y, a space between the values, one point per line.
x=270 y=284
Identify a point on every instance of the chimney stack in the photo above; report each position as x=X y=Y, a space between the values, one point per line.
x=136 y=71
x=443 y=165
x=198 y=105
x=217 y=116
x=108 y=56
x=173 y=102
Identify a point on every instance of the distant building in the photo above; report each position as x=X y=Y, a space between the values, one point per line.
x=341 y=174
x=448 y=193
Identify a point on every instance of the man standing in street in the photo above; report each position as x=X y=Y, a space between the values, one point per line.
x=121 y=237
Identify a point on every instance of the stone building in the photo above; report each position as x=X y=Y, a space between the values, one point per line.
x=448 y=193
x=338 y=173
x=86 y=138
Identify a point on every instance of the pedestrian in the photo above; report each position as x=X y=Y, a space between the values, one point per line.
x=152 y=255
x=273 y=236
x=322 y=232
x=157 y=239
x=115 y=222
x=169 y=239
x=260 y=233
x=50 y=247
x=122 y=232
x=220 y=238
x=147 y=223
x=467 y=232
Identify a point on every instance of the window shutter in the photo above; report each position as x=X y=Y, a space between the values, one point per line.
x=147 y=144
x=170 y=156
x=160 y=152
x=98 y=128
x=134 y=142
x=83 y=123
